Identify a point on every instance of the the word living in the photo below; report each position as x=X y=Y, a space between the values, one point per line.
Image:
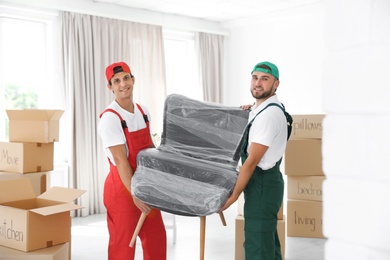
x=306 y=221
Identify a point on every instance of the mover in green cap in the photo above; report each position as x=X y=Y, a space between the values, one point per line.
x=264 y=142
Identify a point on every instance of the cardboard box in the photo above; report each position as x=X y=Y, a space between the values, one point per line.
x=240 y=204
x=28 y=222
x=59 y=252
x=303 y=157
x=26 y=157
x=239 y=239
x=38 y=180
x=304 y=218
x=307 y=126
x=34 y=125
x=305 y=187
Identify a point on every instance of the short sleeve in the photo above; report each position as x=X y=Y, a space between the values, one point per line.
x=110 y=130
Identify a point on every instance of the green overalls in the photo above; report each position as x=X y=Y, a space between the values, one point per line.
x=263 y=199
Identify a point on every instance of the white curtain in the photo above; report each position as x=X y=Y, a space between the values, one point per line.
x=89 y=44
x=210 y=58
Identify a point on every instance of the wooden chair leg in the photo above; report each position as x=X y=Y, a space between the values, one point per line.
x=202 y=236
x=222 y=217
x=137 y=229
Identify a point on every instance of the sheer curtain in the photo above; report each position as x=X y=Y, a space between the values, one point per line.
x=89 y=44
x=210 y=57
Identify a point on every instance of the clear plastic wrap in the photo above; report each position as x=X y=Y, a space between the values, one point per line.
x=194 y=169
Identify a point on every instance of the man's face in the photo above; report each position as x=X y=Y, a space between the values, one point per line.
x=122 y=85
x=263 y=85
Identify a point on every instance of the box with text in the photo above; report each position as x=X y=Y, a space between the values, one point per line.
x=26 y=157
x=304 y=218
x=307 y=126
x=305 y=187
x=29 y=222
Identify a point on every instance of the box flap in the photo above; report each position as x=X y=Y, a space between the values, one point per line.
x=34 y=114
x=46 y=211
x=62 y=194
x=56 y=114
x=17 y=189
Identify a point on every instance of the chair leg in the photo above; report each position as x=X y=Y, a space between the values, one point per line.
x=137 y=229
x=222 y=217
x=202 y=236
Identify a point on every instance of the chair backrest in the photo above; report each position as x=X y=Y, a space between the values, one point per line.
x=203 y=130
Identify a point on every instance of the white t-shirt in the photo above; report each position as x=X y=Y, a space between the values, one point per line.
x=110 y=127
x=270 y=129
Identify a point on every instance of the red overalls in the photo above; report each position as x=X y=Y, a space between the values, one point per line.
x=123 y=215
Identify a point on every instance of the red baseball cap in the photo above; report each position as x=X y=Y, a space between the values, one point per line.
x=116 y=68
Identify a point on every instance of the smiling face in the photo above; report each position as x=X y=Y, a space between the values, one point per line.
x=122 y=85
x=263 y=85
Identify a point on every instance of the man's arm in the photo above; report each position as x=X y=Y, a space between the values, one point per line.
x=256 y=152
x=126 y=173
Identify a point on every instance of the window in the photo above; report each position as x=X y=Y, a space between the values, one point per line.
x=182 y=74
x=27 y=65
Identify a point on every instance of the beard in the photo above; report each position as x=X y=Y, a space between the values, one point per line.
x=262 y=95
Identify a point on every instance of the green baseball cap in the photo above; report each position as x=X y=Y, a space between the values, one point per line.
x=262 y=66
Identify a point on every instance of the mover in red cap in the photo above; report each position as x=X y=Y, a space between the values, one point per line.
x=124 y=131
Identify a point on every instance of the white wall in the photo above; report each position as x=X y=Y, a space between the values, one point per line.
x=294 y=41
x=114 y=11
x=356 y=136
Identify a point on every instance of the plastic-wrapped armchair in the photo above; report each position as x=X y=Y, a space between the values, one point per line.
x=194 y=170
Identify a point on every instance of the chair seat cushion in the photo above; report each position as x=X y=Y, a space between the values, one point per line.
x=182 y=185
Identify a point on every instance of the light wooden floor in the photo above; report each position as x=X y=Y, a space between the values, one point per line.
x=90 y=237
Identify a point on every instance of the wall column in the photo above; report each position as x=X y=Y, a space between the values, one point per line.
x=356 y=130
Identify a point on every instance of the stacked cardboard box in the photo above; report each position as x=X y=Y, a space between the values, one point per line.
x=303 y=167
x=32 y=133
x=29 y=214
x=239 y=240
x=30 y=152
x=59 y=252
x=38 y=180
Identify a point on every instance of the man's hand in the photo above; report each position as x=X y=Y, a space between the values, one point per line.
x=145 y=208
x=247 y=107
x=229 y=202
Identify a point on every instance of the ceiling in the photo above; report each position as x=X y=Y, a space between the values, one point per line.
x=212 y=10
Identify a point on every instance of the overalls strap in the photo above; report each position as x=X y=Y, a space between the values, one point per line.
x=244 y=139
x=123 y=122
